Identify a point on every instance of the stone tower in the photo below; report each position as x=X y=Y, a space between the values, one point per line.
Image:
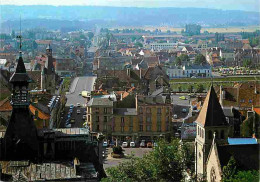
x=48 y=77
x=20 y=141
x=210 y=120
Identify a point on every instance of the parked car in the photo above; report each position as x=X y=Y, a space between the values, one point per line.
x=184 y=110
x=124 y=144
x=177 y=134
x=142 y=144
x=175 y=116
x=132 y=144
x=78 y=111
x=112 y=144
x=84 y=117
x=72 y=120
x=105 y=144
x=71 y=106
x=149 y=144
x=78 y=104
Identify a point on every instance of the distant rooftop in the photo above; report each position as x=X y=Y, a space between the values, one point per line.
x=100 y=102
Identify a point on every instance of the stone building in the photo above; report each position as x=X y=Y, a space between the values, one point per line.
x=211 y=119
x=31 y=154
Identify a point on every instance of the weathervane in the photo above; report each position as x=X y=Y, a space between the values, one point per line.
x=20 y=36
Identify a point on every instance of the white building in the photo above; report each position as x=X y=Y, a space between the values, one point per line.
x=160 y=46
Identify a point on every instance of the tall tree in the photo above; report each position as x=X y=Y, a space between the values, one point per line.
x=200 y=59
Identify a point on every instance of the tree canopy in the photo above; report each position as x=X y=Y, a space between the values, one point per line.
x=165 y=163
x=200 y=59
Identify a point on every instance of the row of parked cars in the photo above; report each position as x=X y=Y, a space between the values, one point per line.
x=142 y=144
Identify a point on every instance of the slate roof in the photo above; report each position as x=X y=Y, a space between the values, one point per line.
x=152 y=99
x=246 y=156
x=125 y=111
x=211 y=113
x=197 y=66
x=100 y=102
x=20 y=74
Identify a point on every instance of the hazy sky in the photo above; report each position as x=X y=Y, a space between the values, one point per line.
x=247 y=5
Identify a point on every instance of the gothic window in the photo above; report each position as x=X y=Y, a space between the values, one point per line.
x=222 y=134
x=213 y=177
x=210 y=134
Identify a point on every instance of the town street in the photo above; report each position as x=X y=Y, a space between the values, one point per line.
x=79 y=84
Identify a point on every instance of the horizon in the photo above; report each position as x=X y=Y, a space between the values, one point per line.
x=236 y=5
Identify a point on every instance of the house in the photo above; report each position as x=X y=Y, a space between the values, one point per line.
x=197 y=70
x=188 y=50
x=247 y=54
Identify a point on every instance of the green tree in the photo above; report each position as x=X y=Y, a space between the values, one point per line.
x=190 y=88
x=178 y=61
x=165 y=163
x=200 y=59
x=200 y=88
x=245 y=176
x=230 y=169
x=138 y=44
x=247 y=63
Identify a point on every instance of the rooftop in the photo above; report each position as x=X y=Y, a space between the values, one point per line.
x=100 y=102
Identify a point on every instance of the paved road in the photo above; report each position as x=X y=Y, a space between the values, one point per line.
x=79 y=84
x=138 y=152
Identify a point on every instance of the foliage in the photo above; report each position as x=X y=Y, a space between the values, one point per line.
x=128 y=102
x=192 y=29
x=200 y=88
x=232 y=174
x=230 y=169
x=190 y=88
x=165 y=163
x=117 y=150
x=247 y=129
x=247 y=63
x=254 y=41
x=182 y=58
x=138 y=44
x=200 y=59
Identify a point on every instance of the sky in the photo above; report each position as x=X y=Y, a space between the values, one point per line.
x=246 y=5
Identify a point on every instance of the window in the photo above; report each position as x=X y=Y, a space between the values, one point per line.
x=159 y=119
x=222 y=134
x=97 y=118
x=148 y=110
x=105 y=118
x=131 y=122
x=148 y=127
x=140 y=127
x=122 y=121
x=213 y=177
x=167 y=119
x=130 y=128
x=216 y=134
x=140 y=110
x=105 y=110
x=122 y=128
x=148 y=119
x=141 y=119
x=198 y=131
x=210 y=134
x=159 y=128
x=159 y=110
x=105 y=127
x=97 y=127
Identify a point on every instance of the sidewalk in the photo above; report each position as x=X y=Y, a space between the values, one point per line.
x=74 y=85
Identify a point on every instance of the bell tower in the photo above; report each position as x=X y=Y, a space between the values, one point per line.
x=20 y=141
x=210 y=120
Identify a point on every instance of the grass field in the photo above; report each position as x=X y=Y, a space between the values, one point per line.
x=184 y=84
x=211 y=30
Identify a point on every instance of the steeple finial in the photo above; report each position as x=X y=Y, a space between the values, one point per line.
x=20 y=37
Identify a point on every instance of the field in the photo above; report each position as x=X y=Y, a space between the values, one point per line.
x=211 y=30
x=185 y=83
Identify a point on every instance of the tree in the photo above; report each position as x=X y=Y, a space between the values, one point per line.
x=200 y=88
x=247 y=63
x=190 y=88
x=178 y=61
x=230 y=169
x=165 y=163
x=90 y=35
x=138 y=44
x=200 y=59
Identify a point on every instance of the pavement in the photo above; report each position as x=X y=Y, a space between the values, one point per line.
x=111 y=162
x=79 y=84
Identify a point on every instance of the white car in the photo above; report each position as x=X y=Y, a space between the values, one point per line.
x=84 y=117
x=78 y=104
x=105 y=144
x=132 y=144
x=78 y=111
x=124 y=144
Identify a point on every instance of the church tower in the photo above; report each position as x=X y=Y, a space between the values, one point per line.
x=210 y=120
x=48 y=77
x=20 y=141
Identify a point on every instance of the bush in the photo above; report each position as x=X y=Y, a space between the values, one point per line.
x=117 y=150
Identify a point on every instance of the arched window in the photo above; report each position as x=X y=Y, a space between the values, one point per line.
x=222 y=134
x=198 y=130
x=210 y=134
x=213 y=177
x=202 y=133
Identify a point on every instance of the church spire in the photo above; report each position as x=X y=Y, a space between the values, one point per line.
x=211 y=113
